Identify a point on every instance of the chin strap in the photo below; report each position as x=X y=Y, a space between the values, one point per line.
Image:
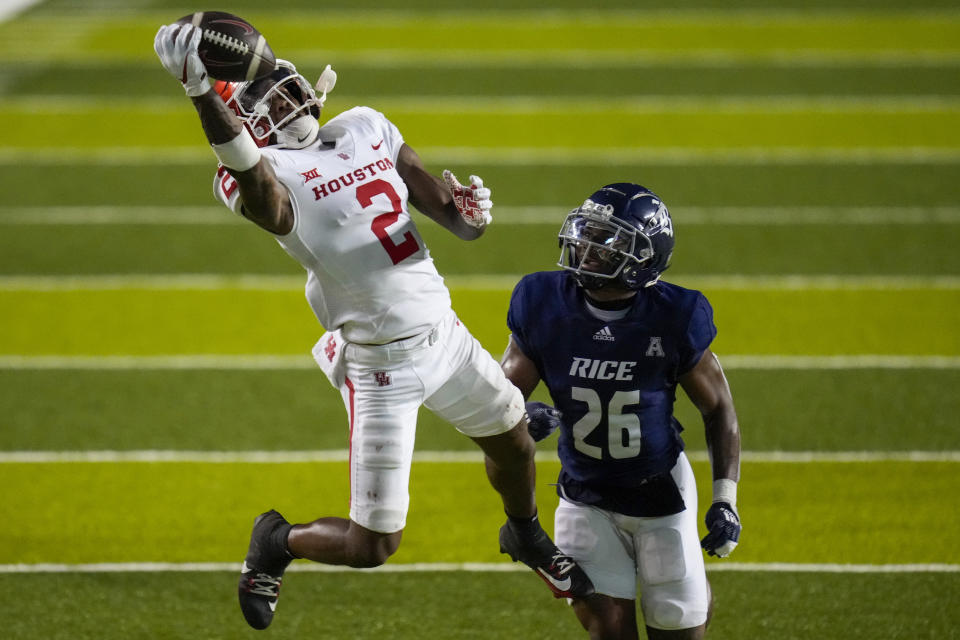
x=299 y=133
x=325 y=83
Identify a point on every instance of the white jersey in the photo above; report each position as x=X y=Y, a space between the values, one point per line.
x=369 y=273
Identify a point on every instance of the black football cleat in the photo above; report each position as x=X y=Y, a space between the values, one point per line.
x=560 y=571
x=263 y=568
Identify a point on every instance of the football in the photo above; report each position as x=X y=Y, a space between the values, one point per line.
x=230 y=47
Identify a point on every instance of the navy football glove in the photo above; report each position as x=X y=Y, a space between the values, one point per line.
x=723 y=525
x=544 y=420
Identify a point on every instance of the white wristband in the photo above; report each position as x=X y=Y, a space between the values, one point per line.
x=725 y=490
x=240 y=154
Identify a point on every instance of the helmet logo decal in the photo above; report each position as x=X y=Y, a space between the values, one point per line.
x=660 y=222
x=593 y=208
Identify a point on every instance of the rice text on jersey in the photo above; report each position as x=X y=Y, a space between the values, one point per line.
x=591 y=369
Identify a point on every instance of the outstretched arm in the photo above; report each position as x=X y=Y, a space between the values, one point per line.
x=264 y=200
x=433 y=197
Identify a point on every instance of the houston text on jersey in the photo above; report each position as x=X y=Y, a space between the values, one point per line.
x=357 y=175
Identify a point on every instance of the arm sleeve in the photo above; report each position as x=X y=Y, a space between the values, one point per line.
x=699 y=334
x=225 y=189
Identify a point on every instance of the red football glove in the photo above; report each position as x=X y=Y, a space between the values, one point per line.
x=472 y=202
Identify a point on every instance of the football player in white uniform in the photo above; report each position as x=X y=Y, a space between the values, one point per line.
x=335 y=198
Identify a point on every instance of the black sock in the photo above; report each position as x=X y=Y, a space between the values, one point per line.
x=527 y=527
x=282 y=538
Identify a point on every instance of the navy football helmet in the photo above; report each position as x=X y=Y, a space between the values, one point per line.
x=622 y=233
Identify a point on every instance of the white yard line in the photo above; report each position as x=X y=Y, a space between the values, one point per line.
x=517 y=156
x=480 y=282
x=10 y=9
x=535 y=104
x=434 y=457
x=175 y=362
x=445 y=567
x=135 y=215
x=292 y=362
x=691 y=215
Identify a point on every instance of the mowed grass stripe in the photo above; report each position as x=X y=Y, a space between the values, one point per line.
x=136 y=407
x=749 y=178
x=900 y=255
x=164 y=322
x=439 y=77
x=532 y=35
x=135 y=512
x=935 y=129
x=510 y=604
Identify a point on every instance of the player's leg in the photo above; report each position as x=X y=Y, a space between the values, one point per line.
x=473 y=394
x=343 y=542
x=511 y=469
x=675 y=595
x=382 y=398
x=382 y=412
x=594 y=539
x=607 y=618
x=467 y=388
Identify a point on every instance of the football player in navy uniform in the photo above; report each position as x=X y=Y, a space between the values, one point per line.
x=335 y=197
x=611 y=342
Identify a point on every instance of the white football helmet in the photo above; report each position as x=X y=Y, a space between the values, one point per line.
x=281 y=108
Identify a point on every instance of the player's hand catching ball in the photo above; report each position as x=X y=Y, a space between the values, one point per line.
x=176 y=46
x=723 y=524
x=543 y=420
x=472 y=202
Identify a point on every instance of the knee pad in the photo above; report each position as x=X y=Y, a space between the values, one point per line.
x=661 y=557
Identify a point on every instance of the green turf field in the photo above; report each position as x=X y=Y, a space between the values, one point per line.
x=156 y=389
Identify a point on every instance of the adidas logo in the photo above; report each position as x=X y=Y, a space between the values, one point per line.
x=604 y=334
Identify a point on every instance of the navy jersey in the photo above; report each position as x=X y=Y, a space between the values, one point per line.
x=615 y=383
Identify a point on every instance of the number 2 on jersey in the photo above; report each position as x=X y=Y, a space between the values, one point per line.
x=623 y=428
x=365 y=195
